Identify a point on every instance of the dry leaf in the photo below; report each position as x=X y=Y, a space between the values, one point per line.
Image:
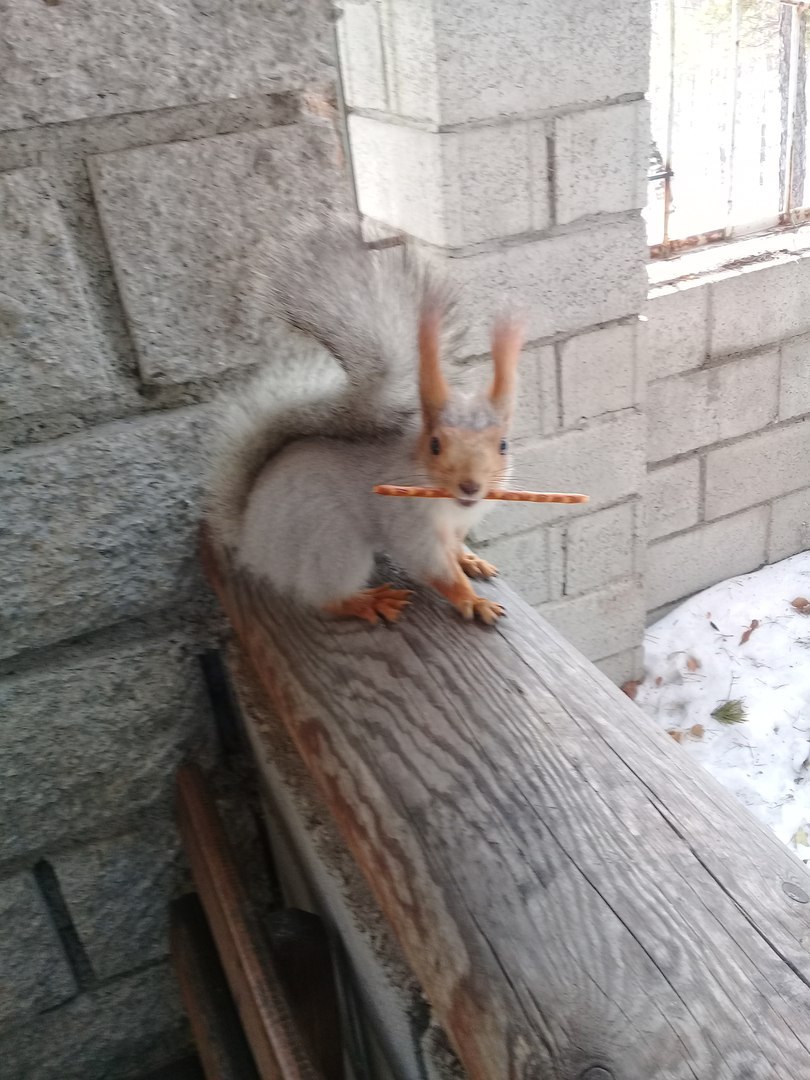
x=697 y=731
x=801 y=837
x=676 y=735
x=693 y=663
x=659 y=680
x=801 y=604
x=749 y=631
x=631 y=688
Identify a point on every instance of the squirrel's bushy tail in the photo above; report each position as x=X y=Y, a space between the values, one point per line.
x=363 y=307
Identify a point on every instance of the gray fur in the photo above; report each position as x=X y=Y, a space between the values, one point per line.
x=363 y=307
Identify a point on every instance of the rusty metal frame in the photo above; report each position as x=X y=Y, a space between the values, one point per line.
x=788 y=217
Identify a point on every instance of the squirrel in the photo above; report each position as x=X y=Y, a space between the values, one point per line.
x=290 y=492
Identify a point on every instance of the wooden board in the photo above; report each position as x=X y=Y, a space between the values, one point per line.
x=218 y=1034
x=576 y=896
x=275 y=1042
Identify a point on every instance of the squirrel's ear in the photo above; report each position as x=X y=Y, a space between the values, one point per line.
x=433 y=389
x=507 y=341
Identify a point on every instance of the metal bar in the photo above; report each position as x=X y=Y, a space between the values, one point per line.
x=783 y=222
x=793 y=70
x=732 y=141
x=670 y=124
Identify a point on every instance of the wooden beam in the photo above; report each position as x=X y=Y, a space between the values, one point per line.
x=269 y=1025
x=577 y=897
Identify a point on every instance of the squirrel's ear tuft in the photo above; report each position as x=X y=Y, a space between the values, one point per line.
x=507 y=341
x=433 y=389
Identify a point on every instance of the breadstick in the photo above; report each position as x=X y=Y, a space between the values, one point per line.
x=500 y=495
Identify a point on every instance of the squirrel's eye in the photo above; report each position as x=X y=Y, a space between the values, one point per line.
x=504 y=446
x=435 y=446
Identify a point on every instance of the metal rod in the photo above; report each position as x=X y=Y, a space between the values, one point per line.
x=732 y=136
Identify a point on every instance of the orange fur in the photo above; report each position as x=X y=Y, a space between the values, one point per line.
x=433 y=389
x=464 y=598
x=507 y=341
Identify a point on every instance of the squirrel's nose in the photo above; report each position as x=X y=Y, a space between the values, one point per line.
x=469 y=487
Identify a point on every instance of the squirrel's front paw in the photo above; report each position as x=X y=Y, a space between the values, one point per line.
x=475 y=567
x=486 y=611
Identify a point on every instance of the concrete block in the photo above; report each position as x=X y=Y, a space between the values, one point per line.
x=399 y=177
x=362 y=65
x=529 y=563
x=601 y=622
x=123 y=1029
x=99 y=527
x=605 y=460
x=487 y=61
x=69 y=61
x=52 y=355
x=759 y=305
x=679 y=566
x=94 y=741
x=563 y=283
x=600 y=160
x=628 y=664
x=672 y=498
x=536 y=405
x=185 y=224
x=790 y=526
x=794 y=386
x=677 y=328
x=702 y=407
x=118 y=893
x=600 y=548
x=598 y=372
x=767 y=465
x=35 y=971
x=452 y=188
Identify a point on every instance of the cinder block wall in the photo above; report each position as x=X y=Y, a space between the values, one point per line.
x=144 y=149
x=728 y=407
x=511 y=140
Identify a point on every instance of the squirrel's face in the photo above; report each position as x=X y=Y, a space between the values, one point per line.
x=464 y=444
x=466 y=451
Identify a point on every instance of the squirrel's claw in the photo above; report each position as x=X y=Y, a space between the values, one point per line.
x=371 y=605
x=475 y=567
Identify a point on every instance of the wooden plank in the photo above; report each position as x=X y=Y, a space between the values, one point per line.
x=277 y=1048
x=300 y=948
x=218 y=1034
x=577 y=897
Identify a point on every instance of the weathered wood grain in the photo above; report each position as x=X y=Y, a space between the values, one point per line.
x=576 y=896
x=269 y=1025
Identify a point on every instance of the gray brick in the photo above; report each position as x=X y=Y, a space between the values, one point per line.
x=52 y=355
x=99 y=527
x=790 y=526
x=766 y=465
x=517 y=58
x=601 y=160
x=362 y=65
x=604 y=460
x=124 y=1029
x=118 y=894
x=598 y=372
x=536 y=406
x=601 y=622
x=452 y=188
x=35 y=973
x=531 y=562
x=600 y=548
x=681 y=565
x=672 y=498
x=563 y=283
x=69 y=61
x=185 y=224
x=95 y=740
x=760 y=305
x=794 y=387
x=702 y=407
x=625 y=665
x=677 y=335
